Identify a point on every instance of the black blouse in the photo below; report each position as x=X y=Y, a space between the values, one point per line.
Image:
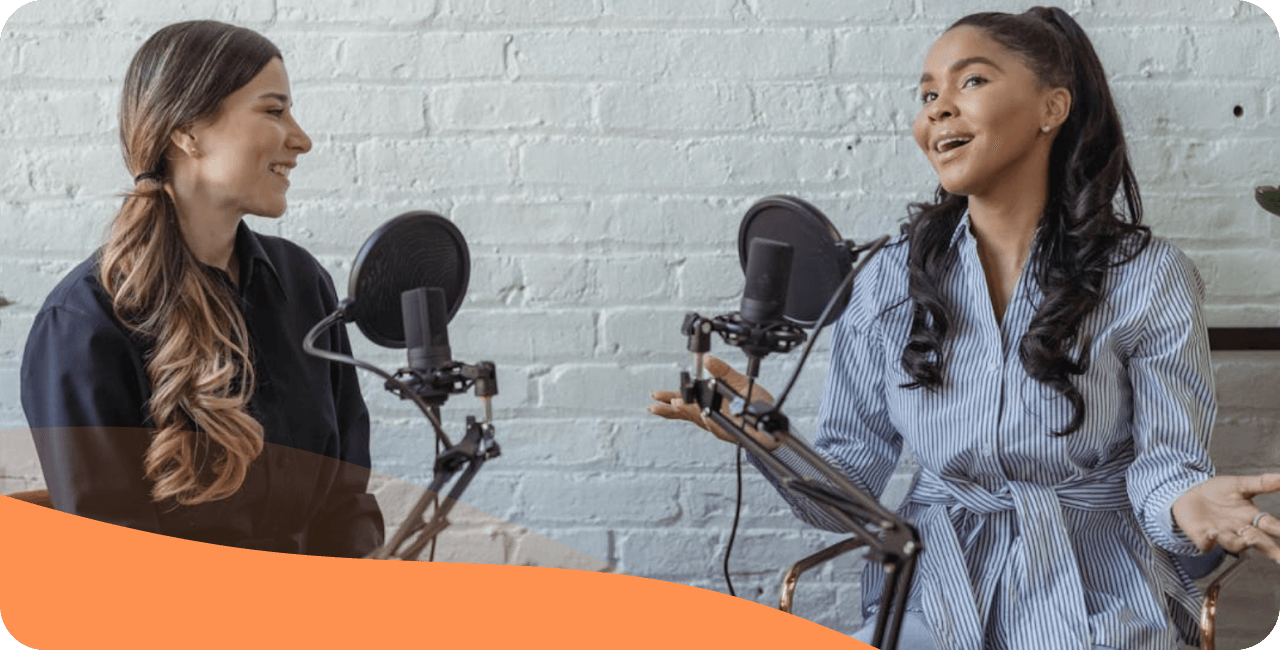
x=85 y=392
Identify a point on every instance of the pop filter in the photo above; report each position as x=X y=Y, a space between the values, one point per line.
x=1269 y=198
x=415 y=249
x=820 y=262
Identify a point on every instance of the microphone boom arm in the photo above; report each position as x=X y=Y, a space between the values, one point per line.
x=475 y=448
x=890 y=538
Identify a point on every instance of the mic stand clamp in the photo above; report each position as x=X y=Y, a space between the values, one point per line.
x=756 y=340
x=476 y=447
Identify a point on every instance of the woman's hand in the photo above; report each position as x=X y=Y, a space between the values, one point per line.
x=672 y=407
x=1221 y=511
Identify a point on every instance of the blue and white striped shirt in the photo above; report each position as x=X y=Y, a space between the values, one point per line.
x=1032 y=541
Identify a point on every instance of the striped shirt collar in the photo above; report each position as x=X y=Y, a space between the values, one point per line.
x=962 y=228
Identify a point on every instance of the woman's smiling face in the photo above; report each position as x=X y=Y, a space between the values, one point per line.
x=982 y=113
x=246 y=152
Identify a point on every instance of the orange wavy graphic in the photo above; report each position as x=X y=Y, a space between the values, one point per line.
x=72 y=582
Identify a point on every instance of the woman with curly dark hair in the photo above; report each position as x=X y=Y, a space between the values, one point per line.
x=1046 y=360
x=164 y=379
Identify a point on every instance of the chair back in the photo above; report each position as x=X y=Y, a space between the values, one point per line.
x=37 y=497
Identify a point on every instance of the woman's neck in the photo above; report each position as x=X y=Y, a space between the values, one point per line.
x=1005 y=232
x=1004 y=219
x=1004 y=227
x=211 y=236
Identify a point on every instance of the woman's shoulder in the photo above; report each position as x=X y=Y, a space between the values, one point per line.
x=1155 y=264
x=881 y=284
x=79 y=308
x=80 y=291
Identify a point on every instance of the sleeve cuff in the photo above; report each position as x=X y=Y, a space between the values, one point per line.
x=1174 y=539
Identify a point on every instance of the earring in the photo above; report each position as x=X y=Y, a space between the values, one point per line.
x=1046 y=128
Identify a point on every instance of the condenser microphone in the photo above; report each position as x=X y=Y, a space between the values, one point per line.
x=764 y=299
x=426 y=329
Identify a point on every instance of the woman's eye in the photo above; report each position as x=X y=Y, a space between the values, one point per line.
x=974 y=80
x=276 y=111
x=928 y=96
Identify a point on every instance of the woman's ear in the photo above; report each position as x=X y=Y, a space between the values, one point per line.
x=1057 y=106
x=185 y=141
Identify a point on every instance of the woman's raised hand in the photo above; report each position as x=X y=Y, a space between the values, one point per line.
x=1221 y=511
x=669 y=404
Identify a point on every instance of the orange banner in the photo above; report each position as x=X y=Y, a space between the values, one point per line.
x=71 y=582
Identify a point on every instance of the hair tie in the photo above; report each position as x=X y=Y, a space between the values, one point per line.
x=155 y=176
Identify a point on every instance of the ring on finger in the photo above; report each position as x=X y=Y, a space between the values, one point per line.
x=1242 y=531
x=1213 y=535
x=1258 y=517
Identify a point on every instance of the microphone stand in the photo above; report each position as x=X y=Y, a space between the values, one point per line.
x=429 y=390
x=476 y=447
x=891 y=539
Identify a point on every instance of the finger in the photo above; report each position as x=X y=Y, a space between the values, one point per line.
x=676 y=410
x=664 y=395
x=1269 y=524
x=724 y=372
x=1260 y=484
x=662 y=410
x=1234 y=541
x=1256 y=539
x=691 y=418
x=1205 y=542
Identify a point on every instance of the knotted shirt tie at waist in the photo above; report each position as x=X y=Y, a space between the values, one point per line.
x=1051 y=611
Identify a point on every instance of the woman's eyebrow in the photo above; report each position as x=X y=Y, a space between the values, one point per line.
x=962 y=63
x=280 y=97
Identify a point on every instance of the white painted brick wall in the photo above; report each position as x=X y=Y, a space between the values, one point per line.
x=598 y=154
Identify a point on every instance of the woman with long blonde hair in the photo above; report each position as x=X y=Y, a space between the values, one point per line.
x=164 y=378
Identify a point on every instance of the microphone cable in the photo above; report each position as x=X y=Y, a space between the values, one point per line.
x=737 y=506
x=733 y=532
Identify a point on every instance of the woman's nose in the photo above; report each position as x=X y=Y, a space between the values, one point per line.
x=298 y=139
x=940 y=109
